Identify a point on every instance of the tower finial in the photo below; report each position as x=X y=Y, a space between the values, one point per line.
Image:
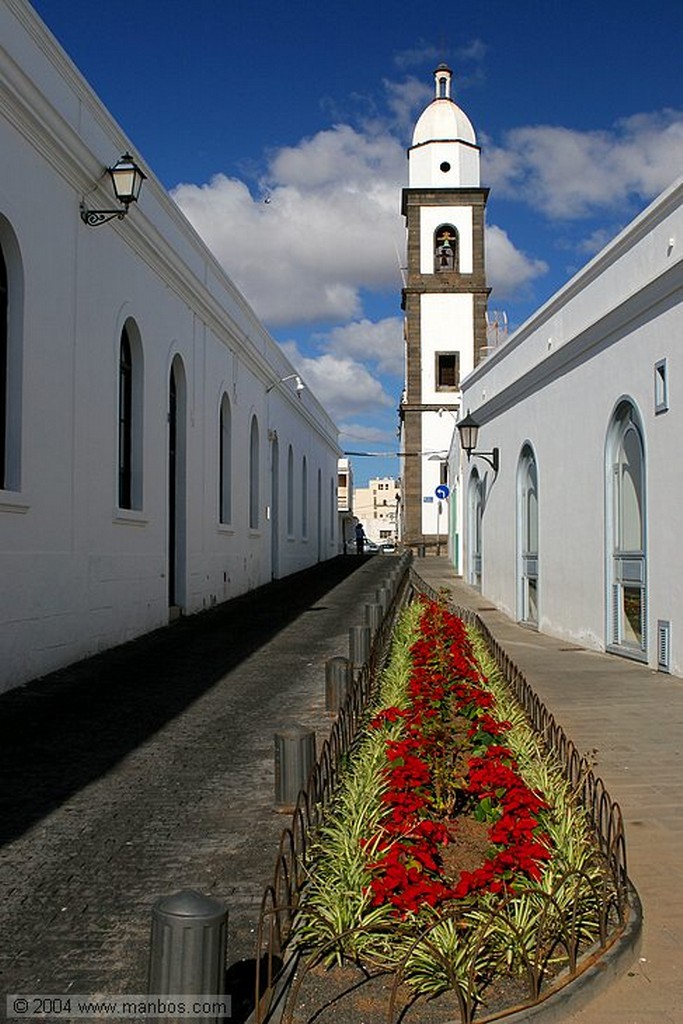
x=442 y=77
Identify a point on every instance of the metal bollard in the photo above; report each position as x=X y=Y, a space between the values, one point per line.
x=294 y=761
x=373 y=617
x=187 y=953
x=359 y=646
x=337 y=682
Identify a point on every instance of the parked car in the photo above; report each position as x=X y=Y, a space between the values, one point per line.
x=370 y=547
x=388 y=547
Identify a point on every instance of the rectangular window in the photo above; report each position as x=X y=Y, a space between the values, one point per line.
x=447 y=371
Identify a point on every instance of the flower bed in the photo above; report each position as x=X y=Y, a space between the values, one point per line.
x=454 y=855
x=430 y=780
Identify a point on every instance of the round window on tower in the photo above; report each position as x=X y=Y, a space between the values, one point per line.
x=445 y=167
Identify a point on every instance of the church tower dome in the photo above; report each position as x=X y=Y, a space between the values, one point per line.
x=444 y=151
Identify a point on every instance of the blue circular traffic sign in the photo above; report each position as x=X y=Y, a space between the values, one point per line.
x=442 y=491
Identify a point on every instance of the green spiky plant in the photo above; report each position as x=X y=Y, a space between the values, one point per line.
x=336 y=903
x=543 y=926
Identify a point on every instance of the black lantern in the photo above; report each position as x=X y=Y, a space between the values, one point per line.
x=127 y=179
x=469 y=435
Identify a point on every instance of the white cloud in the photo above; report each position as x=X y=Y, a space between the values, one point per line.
x=331 y=226
x=508 y=270
x=343 y=385
x=345 y=373
x=568 y=174
x=352 y=433
x=379 y=342
x=405 y=100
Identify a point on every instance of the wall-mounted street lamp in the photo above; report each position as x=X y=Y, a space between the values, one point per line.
x=469 y=434
x=300 y=386
x=127 y=179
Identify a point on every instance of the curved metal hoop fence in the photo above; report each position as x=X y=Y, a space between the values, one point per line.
x=610 y=903
x=281 y=898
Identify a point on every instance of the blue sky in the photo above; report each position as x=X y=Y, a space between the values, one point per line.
x=578 y=108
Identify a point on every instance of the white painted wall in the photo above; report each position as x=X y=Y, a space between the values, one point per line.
x=446 y=325
x=79 y=574
x=436 y=435
x=556 y=384
x=426 y=162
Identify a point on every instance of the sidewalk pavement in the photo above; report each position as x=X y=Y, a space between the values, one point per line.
x=631 y=719
x=150 y=769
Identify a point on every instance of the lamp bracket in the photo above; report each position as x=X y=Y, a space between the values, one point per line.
x=492 y=457
x=93 y=218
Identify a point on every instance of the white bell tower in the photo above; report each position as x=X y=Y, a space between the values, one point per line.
x=444 y=299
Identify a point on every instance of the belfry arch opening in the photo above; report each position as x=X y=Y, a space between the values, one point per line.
x=446 y=249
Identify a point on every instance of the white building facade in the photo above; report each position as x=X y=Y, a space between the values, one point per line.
x=156 y=457
x=576 y=534
x=377 y=508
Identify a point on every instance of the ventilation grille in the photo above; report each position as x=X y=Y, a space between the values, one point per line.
x=663 y=645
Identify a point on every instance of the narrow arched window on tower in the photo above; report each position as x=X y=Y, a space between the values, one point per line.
x=445 y=249
x=443 y=87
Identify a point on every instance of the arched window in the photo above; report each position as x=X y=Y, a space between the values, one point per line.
x=130 y=419
x=446 y=249
x=333 y=508
x=3 y=367
x=11 y=352
x=254 y=475
x=304 y=498
x=475 y=508
x=225 y=462
x=290 y=492
x=627 y=575
x=527 y=537
x=125 y=422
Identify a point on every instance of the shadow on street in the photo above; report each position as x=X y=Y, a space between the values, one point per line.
x=61 y=732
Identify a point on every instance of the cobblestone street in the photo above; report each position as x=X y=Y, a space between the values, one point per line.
x=150 y=769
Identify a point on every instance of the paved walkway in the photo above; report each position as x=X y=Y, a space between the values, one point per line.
x=633 y=719
x=150 y=769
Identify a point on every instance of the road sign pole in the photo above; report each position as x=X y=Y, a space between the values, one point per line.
x=441 y=492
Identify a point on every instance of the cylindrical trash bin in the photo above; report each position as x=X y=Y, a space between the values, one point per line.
x=187 y=952
x=337 y=682
x=294 y=761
